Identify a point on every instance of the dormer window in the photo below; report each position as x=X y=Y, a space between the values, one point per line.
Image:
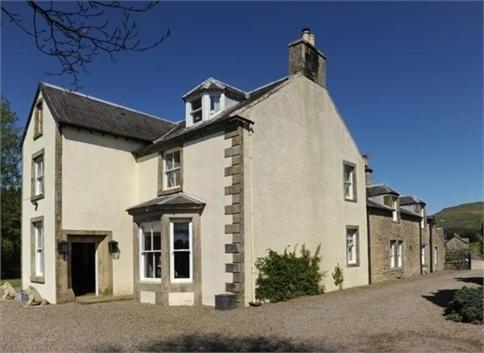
x=392 y=201
x=214 y=103
x=196 y=110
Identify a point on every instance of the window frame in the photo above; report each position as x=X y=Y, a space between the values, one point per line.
x=352 y=184
x=172 y=221
x=37 y=182
x=194 y=112
x=38 y=118
x=39 y=248
x=356 y=246
x=396 y=254
x=164 y=172
x=154 y=226
x=219 y=96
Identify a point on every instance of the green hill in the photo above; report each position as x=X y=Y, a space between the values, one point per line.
x=465 y=219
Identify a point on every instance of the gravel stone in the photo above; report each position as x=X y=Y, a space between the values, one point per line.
x=398 y=316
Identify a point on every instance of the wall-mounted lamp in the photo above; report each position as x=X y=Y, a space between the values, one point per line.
x=63 y=248
x=114 y=249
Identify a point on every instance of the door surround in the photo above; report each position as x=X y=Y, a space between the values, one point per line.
x=104 y=261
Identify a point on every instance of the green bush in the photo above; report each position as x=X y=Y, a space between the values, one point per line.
x=466 y=306
x=285 y=276
x=338 y=277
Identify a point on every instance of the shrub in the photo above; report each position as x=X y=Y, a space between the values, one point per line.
x=338 y=277
x=285 y=276
x=466 y=306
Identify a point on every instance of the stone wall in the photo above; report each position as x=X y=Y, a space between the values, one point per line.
x=382 y=231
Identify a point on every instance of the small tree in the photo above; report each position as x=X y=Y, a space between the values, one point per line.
x=286 y=276
x=338 y=277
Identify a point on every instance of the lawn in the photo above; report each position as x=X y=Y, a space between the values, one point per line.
x=16 y=282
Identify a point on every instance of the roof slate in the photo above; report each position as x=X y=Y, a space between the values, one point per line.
x=175 y=199
x=76 y=109
x=410 y=200
x=380 y=189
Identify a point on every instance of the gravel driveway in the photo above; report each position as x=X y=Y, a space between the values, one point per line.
x=402 y=316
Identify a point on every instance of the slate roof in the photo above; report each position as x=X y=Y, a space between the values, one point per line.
x=374 y=204
x=410 y=213
x=222 y=116
x=83 y=111
x=380 y=189
x=169 y=201
x=212 y=83
x=410 y=200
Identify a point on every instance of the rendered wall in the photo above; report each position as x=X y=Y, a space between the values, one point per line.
x=98 y=185
x=45 y=207
x=294 y=195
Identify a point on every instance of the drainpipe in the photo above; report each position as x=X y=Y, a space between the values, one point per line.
x=369 y=244
x=252 y=246
x=420 y=252
x=431 y=242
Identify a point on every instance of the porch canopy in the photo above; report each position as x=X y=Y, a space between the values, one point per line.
x=179 y=202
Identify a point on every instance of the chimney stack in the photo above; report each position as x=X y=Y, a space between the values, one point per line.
x=368 y=170
x=304 y=57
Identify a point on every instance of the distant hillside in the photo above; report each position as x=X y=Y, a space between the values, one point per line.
x=465 y=219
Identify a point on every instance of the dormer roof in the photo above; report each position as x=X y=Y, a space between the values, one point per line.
x=380 y=189
x=212 y=84
x=411 y=200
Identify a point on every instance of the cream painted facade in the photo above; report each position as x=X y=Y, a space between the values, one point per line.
x=294 y=181
x=43 y=208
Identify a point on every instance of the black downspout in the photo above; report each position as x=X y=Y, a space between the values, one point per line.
x=420 y=253
x=369 y=244
x=431 y=240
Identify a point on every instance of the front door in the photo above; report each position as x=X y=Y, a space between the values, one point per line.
x=83 y=268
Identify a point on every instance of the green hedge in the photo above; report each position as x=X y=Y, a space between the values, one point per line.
x=286 y=276
x=466 y=306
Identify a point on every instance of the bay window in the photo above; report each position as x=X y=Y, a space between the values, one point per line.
x=181 y=250
x=150 y=251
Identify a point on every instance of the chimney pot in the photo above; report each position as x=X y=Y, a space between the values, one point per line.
x=306 y=32
x=312 y=39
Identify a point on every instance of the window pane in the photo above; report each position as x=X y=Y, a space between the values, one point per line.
x=169 y=161
x=170 y=179
x=196 y=104
x=176 y=159
x=146 y=239
x=40 y=237
x=180 y=236
x=148 y=261
x=156 y=241
x=214 y=103
x=197 y=116
x=176 y=177
x=157 y=257
x=182 y=264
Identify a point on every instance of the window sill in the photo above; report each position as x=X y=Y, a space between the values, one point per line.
x=170 y=191
x=353 y=265
x=396 y=269
x=36 y=197
x=37 y=135
x=150 y=281
x=351 y=200
x=183 y=281
x=37 y=279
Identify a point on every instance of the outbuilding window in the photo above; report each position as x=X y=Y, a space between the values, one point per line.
x=181 y=261
x=423 y=255
x=150 y=251
x=396 y=254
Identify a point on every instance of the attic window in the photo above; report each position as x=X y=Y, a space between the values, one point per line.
x=214 y=103
x=196 y=110
x=38 y=119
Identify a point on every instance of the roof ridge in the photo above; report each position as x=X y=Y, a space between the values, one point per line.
x=105 y=101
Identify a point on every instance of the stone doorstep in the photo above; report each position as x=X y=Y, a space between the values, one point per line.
x=94 y=299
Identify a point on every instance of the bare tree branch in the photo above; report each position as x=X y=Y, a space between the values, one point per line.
x=76 y=35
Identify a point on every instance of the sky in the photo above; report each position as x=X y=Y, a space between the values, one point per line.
x=406 y=76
